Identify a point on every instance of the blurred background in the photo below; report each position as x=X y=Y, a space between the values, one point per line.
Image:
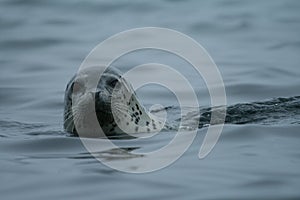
x=255 y=44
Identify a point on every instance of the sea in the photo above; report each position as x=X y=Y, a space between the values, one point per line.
x=255 y=46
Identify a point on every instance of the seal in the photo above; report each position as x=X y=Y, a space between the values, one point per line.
x=113 y=100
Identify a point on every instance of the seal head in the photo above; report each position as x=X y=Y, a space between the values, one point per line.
x=117 y=108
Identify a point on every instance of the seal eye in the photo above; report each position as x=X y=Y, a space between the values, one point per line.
x=113 y=82
x=77 y=87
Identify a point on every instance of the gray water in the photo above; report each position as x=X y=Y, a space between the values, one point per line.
x=256 y=47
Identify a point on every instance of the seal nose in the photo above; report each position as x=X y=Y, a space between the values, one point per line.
x=102 y=100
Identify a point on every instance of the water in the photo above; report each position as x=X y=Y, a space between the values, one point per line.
x=256 y=47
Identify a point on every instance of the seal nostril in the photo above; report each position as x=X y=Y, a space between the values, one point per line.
x=98 y=95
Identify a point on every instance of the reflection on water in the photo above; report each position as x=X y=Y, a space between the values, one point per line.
x=254 y=44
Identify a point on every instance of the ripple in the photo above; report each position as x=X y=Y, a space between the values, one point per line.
x=24 y=44
x=220 y=28
x=285 y=44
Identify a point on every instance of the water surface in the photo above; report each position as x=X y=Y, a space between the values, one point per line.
x=255 y=45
